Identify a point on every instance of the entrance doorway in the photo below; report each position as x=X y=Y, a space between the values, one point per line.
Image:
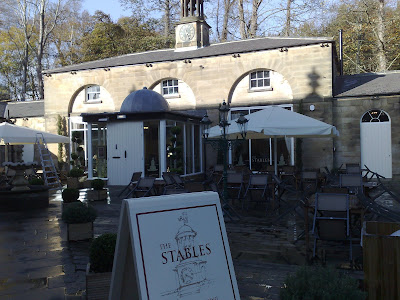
x=376 y=142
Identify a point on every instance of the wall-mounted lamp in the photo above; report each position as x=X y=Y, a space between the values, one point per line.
x=121 y=117
x=312 y=107
x=201 y=67
x=149 y=65
x=283 y=49
x=103 y=120
x=47 y=75
x=25 y=119
x=375 y=97
x=235 y=55
x=73 y=72
x=324 y=45
x=187 y=61
x=106 y=69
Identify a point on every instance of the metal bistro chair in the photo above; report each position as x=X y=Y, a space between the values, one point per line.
x=309 y=181
x=227 y=209
x=353 y=169
x=258 y=184
x=171 y=187
x=235 y=184
x=144 y=187
x=332 y=219
x=178 y=180
x=132 y=184
x=353 y=182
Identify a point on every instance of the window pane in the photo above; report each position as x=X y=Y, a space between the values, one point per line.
x=151 y=148
x=170 y=90
x=175 y=82
x=253 y=83
x=259 y=74
x=266 y=74
x=266 y=82
x=176 y=90
x=259 y=83
x=253 y=75
x=165 y=91
x=164 y=83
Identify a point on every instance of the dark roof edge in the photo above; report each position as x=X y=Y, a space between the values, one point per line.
x=70 y=67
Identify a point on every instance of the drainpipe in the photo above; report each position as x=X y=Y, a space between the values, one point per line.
x=341 y=51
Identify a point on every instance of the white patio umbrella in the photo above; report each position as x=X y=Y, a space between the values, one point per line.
x=274 y=122
x=19 y=135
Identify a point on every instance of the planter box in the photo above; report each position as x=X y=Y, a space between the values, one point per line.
x=97 y=195
x=381 y=255
x=80 y=231
x=97 y=284
x=73 y=182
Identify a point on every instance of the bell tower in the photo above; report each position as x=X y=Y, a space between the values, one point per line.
x=192 y=31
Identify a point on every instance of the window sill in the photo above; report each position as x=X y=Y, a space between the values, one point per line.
x=264 y=89
x=172 y=96
x=97 y=101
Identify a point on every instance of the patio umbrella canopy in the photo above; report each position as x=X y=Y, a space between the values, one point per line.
x=277 y=122
x=19 y=135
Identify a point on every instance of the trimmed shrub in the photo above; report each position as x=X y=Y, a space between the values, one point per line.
x=70 y=195
x=320 y=283
x=97 y=184
x=78 y=213
x=101 y=252
x=75 y=172
x=36 y=181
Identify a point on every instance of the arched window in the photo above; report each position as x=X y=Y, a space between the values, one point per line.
x=260 y=80
x=375 y=115
x=170 y=87
x=92 y=93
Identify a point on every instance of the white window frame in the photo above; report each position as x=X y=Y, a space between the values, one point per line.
x=96 y=93
x=263 y=86
x=170 y=84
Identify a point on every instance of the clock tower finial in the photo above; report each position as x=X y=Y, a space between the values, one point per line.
x=192 y=32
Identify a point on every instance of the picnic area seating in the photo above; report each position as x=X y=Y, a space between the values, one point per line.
x=144 y=187
x=131 y=185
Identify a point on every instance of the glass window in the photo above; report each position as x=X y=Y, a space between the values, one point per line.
x=197 y=150
x=92 y=92
x=169 y=87
x=260 y=79
x=151 y=148
x=375 y=115
x=189 y=149
x=99 y=149
x=175 y=146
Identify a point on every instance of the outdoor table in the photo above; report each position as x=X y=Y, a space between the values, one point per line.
x=159 y=185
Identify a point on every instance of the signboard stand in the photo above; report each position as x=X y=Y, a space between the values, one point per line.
x=173 y=247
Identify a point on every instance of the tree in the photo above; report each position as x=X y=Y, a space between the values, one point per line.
x=146 y=10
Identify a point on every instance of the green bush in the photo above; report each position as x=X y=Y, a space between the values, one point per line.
x=70 y=195
x=36 y=181
x=74 y=156
x=320 y=283
x=75 y=172
x=97 y=184
x=101 y=252
x=78 y=213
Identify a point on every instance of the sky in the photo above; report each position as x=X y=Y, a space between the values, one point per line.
x=111 y=7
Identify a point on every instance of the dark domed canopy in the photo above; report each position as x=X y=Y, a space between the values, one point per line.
x=144 y=101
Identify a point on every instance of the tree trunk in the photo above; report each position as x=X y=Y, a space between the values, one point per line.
x=288 y=17
x=227 y=12
x=40 y=50
x=254 y=18
x=380 y=36
x=242 y=22
x=167 y=21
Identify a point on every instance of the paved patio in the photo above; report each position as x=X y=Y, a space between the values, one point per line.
x=38 y=262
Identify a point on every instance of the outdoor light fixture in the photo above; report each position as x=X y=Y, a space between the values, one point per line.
x=121 y=117
x=242 y=124
x=324 y=45
x=223 y=144
x=205 y=123
x=149 y=65
x=235 y=55
x=106 y=69
x=73 y=72
x=201 y=67
x=187 y=61
x=283 y=49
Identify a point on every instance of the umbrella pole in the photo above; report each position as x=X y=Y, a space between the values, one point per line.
x=6 y=155
x=276 y=155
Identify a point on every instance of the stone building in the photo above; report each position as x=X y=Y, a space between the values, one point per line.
x=300 y=74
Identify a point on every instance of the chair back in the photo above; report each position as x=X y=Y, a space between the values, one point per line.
x=234 y=178
x=331 y=202
x=335 y=190
x=288 y=170
x=258 y=180
x=136 y=176
x=169 y=180
x=270 y=168
x=178 y=179
x=145 y=183
x=218 y=168
x=351 y=180
x=309 y=175
x=353 y=169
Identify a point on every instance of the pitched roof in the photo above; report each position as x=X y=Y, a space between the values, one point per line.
x=242 y=46
x=368 y=84
x=22 y=109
